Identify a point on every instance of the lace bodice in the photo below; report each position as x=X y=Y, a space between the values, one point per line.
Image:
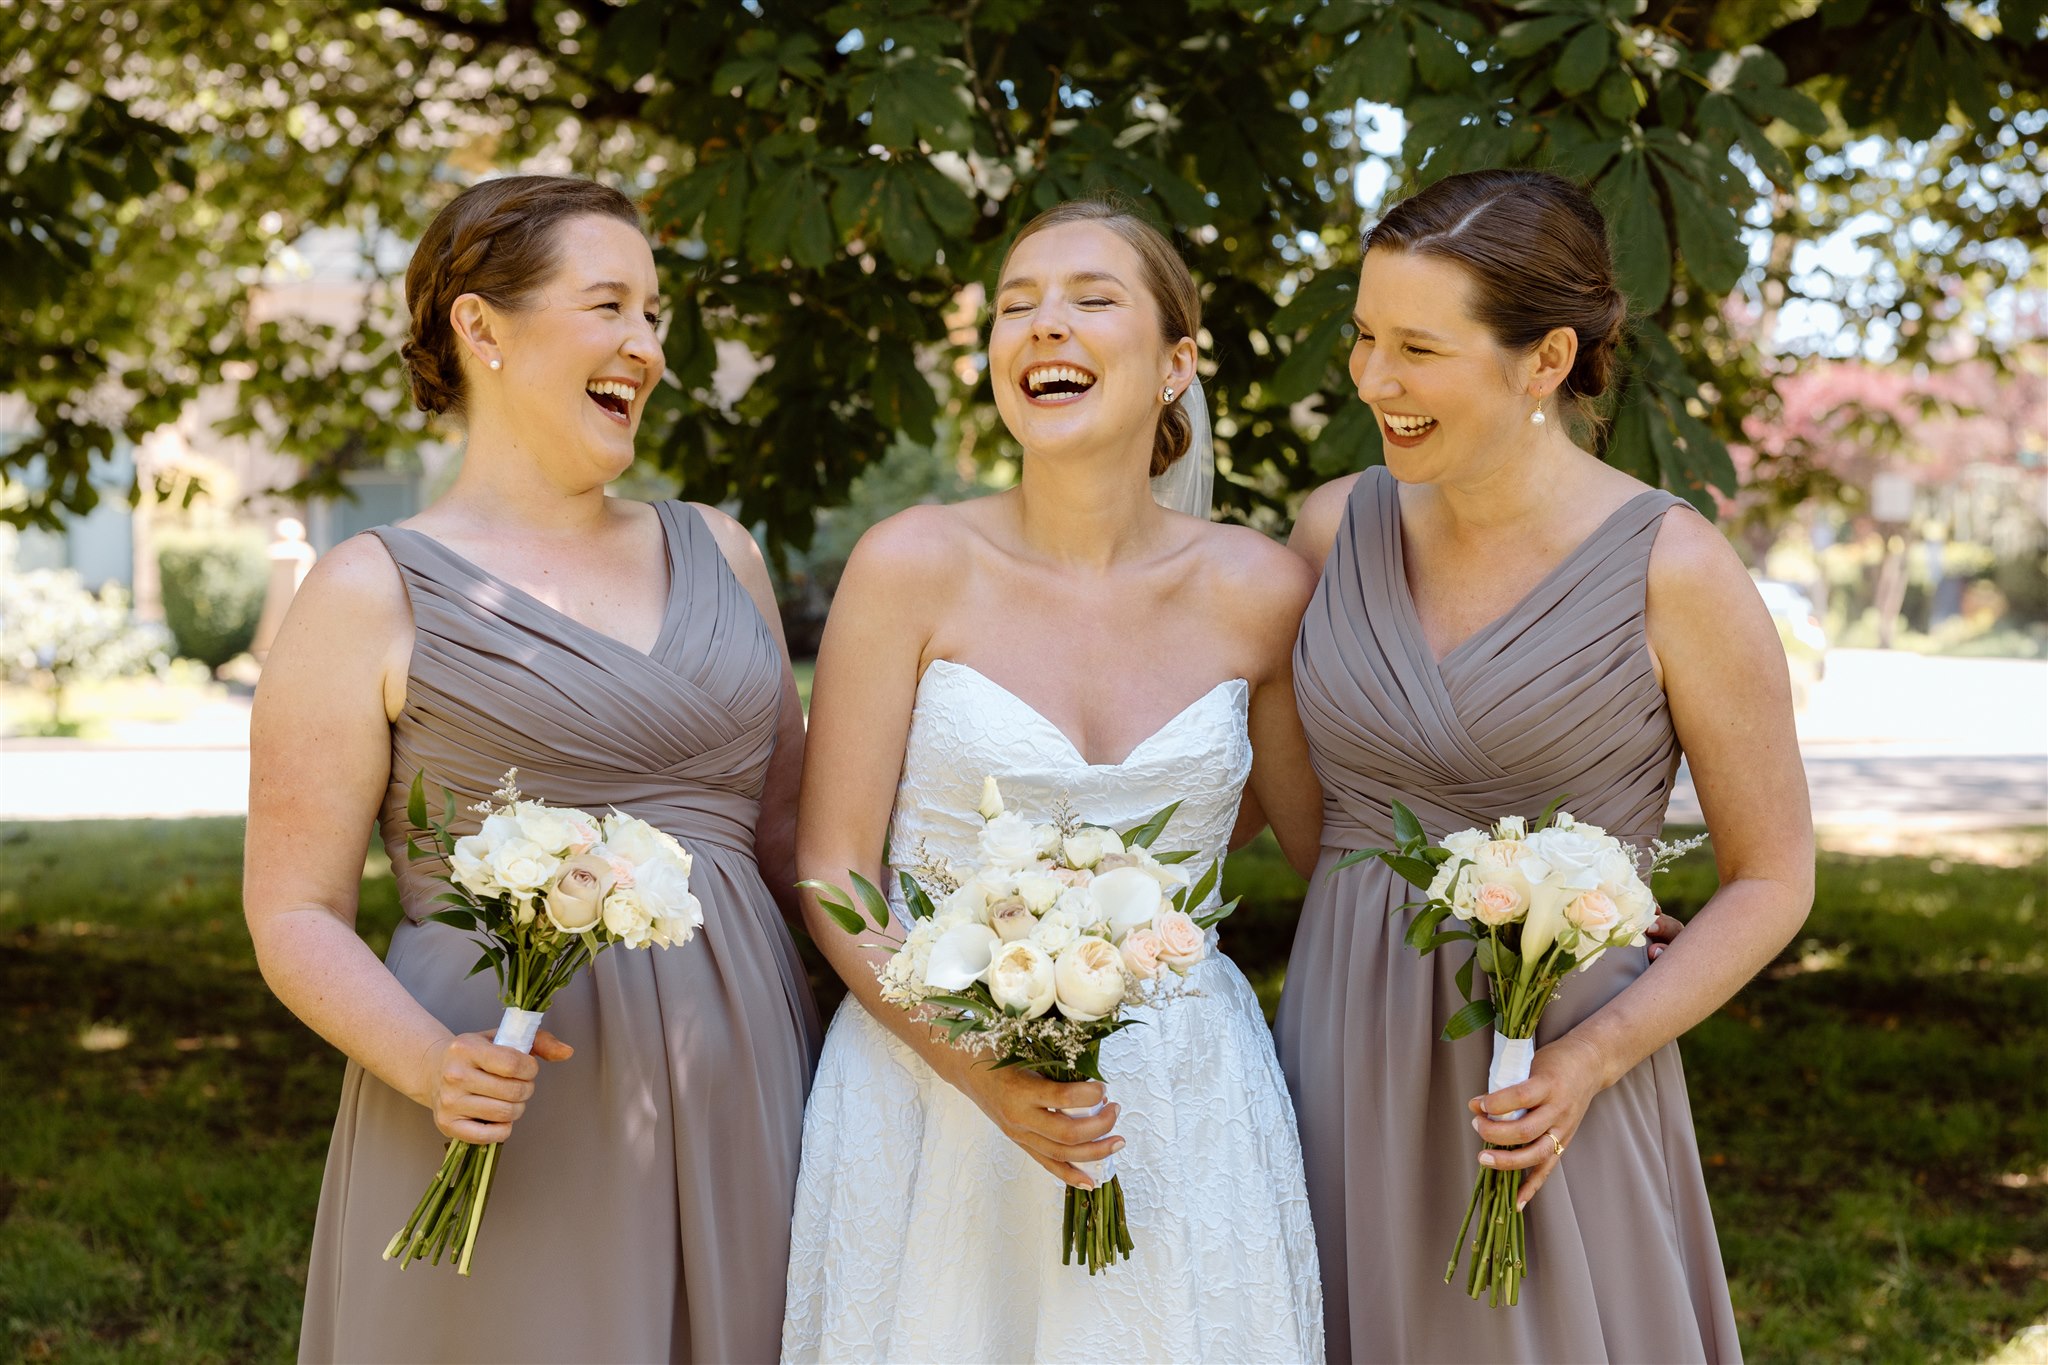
x=966 y=727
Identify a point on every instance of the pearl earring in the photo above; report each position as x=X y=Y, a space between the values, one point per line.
x=1537 y=418
x=497 y=364
x=1166 y=394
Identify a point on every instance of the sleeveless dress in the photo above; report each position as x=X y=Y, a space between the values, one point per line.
x=924 y=1234
x=1557 y=696
x=640 y=1210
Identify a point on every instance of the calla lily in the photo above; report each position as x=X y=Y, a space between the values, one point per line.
x=960 y=957
x=1545 y=920
x=1125 y=899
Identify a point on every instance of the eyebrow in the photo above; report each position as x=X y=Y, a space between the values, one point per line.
x=1078 y=277
x=1412 y=333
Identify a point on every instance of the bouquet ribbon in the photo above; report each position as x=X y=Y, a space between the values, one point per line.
x=1101 y=1172
x=518 y=1028
x=1511 y=1058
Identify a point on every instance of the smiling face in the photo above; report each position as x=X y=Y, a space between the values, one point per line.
x=1451 y=403
x=1075 y=351
x=580 y=359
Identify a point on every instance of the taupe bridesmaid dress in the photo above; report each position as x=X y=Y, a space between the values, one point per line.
x=641 y=1208
x=1557 y=696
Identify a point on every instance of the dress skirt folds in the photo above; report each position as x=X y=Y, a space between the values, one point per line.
x=1556 y=697
x=640 y=1211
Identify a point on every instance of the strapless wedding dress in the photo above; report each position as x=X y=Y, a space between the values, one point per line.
x=923 y=1234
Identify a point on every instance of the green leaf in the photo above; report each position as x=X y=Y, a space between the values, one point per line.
x=1301 y=374
x=1408 y=830
x=1437 y=59
x=1424 y=924
x=456 y=919
x=1583 y=59
x=1641 y=247
x=1621 y=95
x=1375 y=68
x=833 y=902
x=1709 y=237
x=725 y=217
x=1473 y=1016
x=1357 y=856
x=955 y=1001
x=1141 y=835
x=914 y=898
x=1349 y=441
x=1417 y=872
x=1178 y=855
x=871 y=896
x=1219 y=914
x=416 y=801
x=1526 y=37
x=1197 y=893
x=1463 y=979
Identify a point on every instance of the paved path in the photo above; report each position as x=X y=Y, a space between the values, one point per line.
x=1889 y=739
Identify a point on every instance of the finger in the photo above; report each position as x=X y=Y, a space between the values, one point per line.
x=473 y=1081
x=1070 y=1130
x=1666 y=927
x=1069 y=1094
x=484 y=1109
x=1656 y=951
x=1063 y=1172
x=477 y=1050
x=1533 y=1182
x=1518 y=1132
x=470 y=1130
x=549 y=1048
x=1522 y=1095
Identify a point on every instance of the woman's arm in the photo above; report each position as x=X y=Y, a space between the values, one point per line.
x=869 y=663
x=1731 y=703
x=319 y=763
x=775 y=828
x=1271 y=590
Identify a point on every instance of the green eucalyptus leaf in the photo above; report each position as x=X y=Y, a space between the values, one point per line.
x=1473 y=1016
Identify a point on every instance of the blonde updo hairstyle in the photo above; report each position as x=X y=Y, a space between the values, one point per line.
x=495 y=240
x=1535 y=247
x=1167 y=280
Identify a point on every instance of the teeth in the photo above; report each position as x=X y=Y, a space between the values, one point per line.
x=614 y=388
x=1037 y=380
x=1410 y=426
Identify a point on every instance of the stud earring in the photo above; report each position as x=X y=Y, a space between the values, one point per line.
x=1537 y=418
x=497 y=364
x=1166 y=394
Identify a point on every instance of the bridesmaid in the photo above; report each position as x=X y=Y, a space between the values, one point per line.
x=618 y=655
x=1503 y=619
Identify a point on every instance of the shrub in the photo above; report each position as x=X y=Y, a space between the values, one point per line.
x=54 y=633
x=213 y=584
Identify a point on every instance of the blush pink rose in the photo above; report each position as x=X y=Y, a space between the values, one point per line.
x=1181 y=943
x=1594 y=914
x=1141 y=953
x=1071 y=876
x=622 y=871
x=1498 y=904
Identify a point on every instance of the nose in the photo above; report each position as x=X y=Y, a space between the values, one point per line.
x=643 y=348
x=1370 y=375
x=1049 y=322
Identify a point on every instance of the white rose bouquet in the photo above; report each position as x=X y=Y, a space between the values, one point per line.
x=1032 y=956
x=1539 y=902
x=546 y=889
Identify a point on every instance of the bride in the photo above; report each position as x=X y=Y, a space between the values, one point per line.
x=1073 y=638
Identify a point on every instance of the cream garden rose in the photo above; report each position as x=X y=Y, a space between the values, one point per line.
x=576 y=896
x=1089 y=977
x=1021 y=979
x=1181 y=942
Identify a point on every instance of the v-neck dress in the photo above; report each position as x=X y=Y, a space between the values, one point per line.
x=640 y=1210
x=1557 y=696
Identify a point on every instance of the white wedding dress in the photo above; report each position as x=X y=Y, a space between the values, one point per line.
x=923 y=1234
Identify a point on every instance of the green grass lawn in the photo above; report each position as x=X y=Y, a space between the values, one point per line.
x=1874 y=1110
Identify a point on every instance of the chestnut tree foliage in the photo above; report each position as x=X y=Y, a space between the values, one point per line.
x=825 y=180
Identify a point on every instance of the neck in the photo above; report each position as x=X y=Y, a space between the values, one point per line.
x=503 y=484
x=1516 y=487
x=1085 y=510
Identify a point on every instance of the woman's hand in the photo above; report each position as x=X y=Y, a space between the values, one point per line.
x=1025 y=1105
x=477 y=1089
x=1563 y=1079
x=1662 y=933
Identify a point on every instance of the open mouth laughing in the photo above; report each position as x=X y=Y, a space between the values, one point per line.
x=1405 y=429
x=615 y=396
x=1056 y=383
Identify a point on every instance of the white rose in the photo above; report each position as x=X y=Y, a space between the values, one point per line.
x=1085 y=846
x=906 y=969
x=554 y=830
x=1616 y=869
x=1440 y=885
x=1008 y=844
x=522 y=866
x=1573 y=857
x=1047 y=840
x=1011 y=918
x=1466 y=843
x=1124 y=900
x=1564 y=820
x=1038 y=890
x=1055 y=932
x=991 y=799
x=960 y=957
x=1511 y=827
x=968 y=905
x=628 y=917
x=1079 y=906
x=500 y=829
x=1089 y=977
x=637 y=841
x=1020 y=978
x=470 y=866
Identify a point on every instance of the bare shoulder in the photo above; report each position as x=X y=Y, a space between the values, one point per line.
x=1322 y=512
x=1693 y=566
x=734 y=540
x=1256 y=588
x=356 y=584
x=918 y=547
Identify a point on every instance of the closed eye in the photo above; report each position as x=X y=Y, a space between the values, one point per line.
x=1417 y=350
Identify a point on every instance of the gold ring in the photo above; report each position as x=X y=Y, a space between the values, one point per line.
x=1558 y=1147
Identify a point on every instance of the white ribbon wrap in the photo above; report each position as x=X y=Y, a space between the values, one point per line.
x=1103 y=1171
x=518 y=1028
x=1511 y=1058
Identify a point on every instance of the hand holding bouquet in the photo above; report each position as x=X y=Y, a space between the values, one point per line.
x=546 y=889
x=1539 y=903
x=1032 y=956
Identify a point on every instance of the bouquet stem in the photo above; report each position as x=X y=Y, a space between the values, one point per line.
x=1093 y=1231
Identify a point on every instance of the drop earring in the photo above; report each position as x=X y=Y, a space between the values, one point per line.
x=1537 y=418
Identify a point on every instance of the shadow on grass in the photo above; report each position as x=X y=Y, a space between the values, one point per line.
x=1873 y=1110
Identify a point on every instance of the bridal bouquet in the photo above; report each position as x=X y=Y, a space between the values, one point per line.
x=546 y=889
x=1539 y=902
x=1032 y=956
